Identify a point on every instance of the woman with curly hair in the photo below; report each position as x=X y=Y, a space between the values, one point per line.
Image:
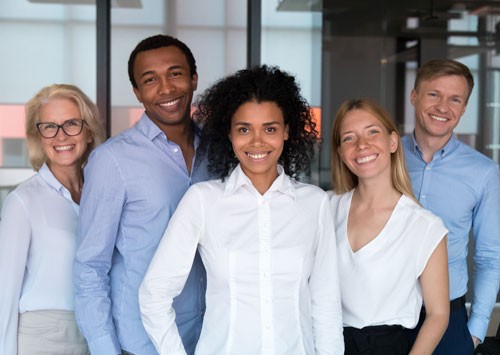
x=266 y=240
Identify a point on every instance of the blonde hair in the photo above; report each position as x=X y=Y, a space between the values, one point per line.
x=88 y=111
x=343 y=180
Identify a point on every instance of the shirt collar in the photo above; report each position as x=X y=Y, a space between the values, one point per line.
x=46 y=174
x=50 y=179
x=450 y=146
x=152 y=131
x=238 y=179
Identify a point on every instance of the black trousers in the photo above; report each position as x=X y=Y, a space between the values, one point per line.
x=376 y=340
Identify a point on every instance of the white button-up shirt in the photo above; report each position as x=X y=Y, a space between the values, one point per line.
x=37 y=247
x=271 y=266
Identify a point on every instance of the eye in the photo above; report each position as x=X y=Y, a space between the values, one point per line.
x=373 y=131
x=176 y=73
x=271 y=129
x=243 y=130
x=346 y=139
x=72 y=123
x=456 y=100
x=148 y=80
x=48 y=125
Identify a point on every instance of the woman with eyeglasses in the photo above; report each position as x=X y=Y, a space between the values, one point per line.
x=38 y=226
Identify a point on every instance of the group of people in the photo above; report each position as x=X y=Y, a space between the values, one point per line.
x=186 y=235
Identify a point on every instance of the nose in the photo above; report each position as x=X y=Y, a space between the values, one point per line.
x=256 y=138
x=362 y=143
x=60 y=135
x=442 y=105
x=165 y=87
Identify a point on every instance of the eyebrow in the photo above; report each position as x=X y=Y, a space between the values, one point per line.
x=365 y=127
x=264 y=124
x=173 y=67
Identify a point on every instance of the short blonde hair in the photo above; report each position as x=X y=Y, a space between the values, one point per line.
x=343 y=180
x=88 y=111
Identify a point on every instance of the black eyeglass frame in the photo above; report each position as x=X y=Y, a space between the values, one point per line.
x=61 y=126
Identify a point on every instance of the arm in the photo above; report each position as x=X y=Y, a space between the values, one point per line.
x=101 y=206
x=486 y=232
x=436 y=299
x=15 y=236
x=325 y=289
x=167 y=275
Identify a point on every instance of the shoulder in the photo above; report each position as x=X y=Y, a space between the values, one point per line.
x=209 y=189
x=419 y=214
x=24 y=193
x=309 y=196
x=474 y=157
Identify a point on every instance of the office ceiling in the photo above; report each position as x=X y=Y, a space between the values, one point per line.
x=401 y=17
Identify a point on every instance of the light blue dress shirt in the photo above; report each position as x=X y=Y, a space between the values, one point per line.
x=462 y=186
x=133 y=183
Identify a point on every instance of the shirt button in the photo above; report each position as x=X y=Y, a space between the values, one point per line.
x=428 y=168
x=267 y=275
x=176 y=150
x=423 y=196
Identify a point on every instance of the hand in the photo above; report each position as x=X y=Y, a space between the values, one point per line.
x=476 y=341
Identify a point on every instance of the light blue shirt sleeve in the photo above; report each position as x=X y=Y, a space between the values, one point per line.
x=103 y=196
x=486 y=232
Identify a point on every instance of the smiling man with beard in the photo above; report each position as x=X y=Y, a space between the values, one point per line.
x=132 y=186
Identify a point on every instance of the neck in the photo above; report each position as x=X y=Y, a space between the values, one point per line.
x=429 y=145
x=376 y=193
x=71 y=178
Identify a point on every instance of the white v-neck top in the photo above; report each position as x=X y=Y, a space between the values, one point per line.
x=379 y=282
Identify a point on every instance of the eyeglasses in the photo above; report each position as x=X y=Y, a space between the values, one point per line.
x=72 y=127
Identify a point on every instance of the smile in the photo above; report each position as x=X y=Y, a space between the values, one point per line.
x=257 y=156
x=366 y=159
x=438 y=118
x=64 y=148
x=170 y=103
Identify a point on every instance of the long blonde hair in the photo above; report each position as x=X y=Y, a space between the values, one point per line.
x=88 y=111
x=343 y=180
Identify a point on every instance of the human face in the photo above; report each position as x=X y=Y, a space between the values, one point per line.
x=62 y=150
x=258 y=134
x=439 y=103
x=366 y=146
x=165 y=85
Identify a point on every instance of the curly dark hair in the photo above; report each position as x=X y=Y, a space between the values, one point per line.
x=217 y=105
x=155 y=42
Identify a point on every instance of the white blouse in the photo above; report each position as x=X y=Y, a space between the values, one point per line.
x=271 y=270
x=37 y=247
x=379 y=282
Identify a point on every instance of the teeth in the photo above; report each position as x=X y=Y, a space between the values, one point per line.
x=440 y=119
x=366 y=159
x=170 y=103
x=63 y=148
x=257 y=156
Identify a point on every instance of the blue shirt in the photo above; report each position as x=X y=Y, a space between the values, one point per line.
x=133 y=183
x=462 y=186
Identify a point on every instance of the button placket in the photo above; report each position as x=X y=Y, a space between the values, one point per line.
x=266 y=289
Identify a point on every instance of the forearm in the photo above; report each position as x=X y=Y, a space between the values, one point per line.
x=430 y=334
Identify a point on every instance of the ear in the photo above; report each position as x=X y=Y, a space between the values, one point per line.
x=393 y=142
x=194 y=81
x=137 y=94
x=285 y=135
x=413 y=97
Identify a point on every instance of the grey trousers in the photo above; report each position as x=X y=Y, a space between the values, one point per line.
x=53 y=332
